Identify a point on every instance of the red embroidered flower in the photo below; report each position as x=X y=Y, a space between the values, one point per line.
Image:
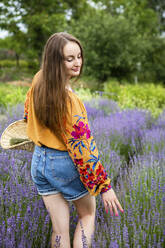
x=82 y=171
x=88 y=132
x=78 y=161
x=90 y=184
x=80 y=130
x=91 y=176
x=99 y=170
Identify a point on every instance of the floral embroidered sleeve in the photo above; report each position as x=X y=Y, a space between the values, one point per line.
x=83 y=151
x=26 y=105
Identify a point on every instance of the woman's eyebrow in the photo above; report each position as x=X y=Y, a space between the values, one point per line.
x=73 y=55
x=70 y=56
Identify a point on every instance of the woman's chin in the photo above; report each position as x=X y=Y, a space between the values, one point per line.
x=75 y=74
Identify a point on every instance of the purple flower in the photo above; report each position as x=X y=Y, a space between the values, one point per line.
x=139 y=184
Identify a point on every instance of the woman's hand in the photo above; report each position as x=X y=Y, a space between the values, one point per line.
x=110 y=201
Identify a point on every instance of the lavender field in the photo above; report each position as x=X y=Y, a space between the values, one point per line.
x=131 y=144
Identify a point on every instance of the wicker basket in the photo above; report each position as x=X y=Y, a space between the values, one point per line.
x=16 y=130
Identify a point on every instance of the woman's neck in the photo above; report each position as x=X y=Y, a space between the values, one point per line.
x=68 y=86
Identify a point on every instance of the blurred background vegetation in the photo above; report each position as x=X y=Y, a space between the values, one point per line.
x=123 y=40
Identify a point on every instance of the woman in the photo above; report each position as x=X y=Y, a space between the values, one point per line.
x=65 y=164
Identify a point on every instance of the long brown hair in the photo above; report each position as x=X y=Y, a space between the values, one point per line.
x=50 y=95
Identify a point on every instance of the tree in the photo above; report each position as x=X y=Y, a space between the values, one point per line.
x=153 y=67
x=34 y=21
x=118 y=36
x=77 y=8
x=14 y=45
x=159 y=7
x=39 y=20
x=137 y=11
x=113 y=46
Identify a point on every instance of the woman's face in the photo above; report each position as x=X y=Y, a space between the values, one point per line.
x=72 y=59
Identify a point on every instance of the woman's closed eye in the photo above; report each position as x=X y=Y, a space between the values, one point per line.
x=79 y=56
x=70 y=59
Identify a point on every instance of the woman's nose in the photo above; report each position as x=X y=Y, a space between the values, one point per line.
x=77 y=62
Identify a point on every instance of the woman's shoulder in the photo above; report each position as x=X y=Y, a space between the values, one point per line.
x=77 y=104
x=36 y=77
x=74 y=96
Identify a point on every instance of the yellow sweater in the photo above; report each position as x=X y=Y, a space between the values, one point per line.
x=78 y=141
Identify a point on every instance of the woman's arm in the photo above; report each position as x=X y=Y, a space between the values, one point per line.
x=83 y=151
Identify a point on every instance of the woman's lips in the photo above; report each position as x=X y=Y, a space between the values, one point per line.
x=76 y=69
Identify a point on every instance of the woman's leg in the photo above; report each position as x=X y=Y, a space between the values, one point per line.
x=58 y=209
x=86 y=208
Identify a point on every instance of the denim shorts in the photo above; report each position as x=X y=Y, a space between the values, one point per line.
x=53 y=171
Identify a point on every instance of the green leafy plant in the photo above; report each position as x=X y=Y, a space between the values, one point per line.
x=147 y=96
x=11 y=95
x=12 y=63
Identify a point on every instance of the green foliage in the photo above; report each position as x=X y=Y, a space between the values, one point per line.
x=11 y=63
x=16 y=73
x=39 y=19
x=153 y=68
x=142 y=12
x=112 y=89
x=16 y=43
x=84 y=94
x=158 y=7
x=118 y=36
x=89 y=82
x=12 y=95
x=144 y=96
x=113 y=45
x=40 y=27
x=121 y=40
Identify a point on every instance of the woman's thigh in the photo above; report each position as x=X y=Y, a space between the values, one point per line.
x=85 y=205
x=58 y=209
